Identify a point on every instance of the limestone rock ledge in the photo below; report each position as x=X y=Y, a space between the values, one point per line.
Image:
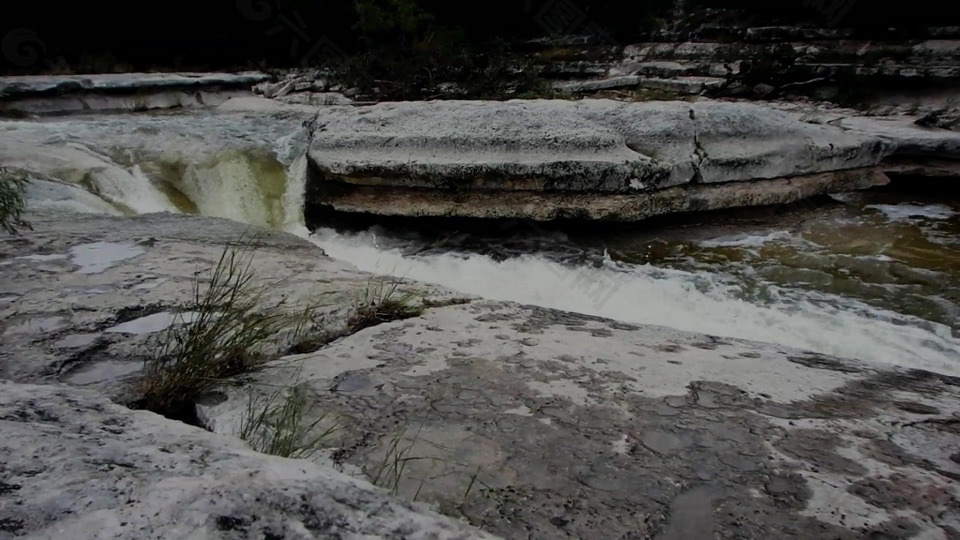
x=78 y=466
x=61 y=94
x=599 y=159
x=536 y=159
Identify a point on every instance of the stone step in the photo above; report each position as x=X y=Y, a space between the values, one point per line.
x=669 y=69
x=611 y=83
x=573 y=70
x=938 y=51
x=942 y=72
x=682 y=85
x=679 y=85
x=124 y=83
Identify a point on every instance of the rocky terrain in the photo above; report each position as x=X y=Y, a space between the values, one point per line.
x=510 y=420
x=78 y=465
x=598 y=159
x=536 y=159
x=37 y=95
x=527 y=422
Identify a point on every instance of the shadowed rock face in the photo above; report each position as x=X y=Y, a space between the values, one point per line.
x=545 y=206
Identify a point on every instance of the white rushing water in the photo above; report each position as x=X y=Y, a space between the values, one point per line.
x=697 y=302
x=702 y=301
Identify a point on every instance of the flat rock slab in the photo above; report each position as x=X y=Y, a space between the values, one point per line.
x=77 y=466
x=83 y=297
x=911 y=140
x=46 y=95
x=535 y=423
x=598 y=159
x=41 y=85
x=598 y=146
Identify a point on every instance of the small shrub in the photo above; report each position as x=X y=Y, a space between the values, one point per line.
x=382 y=303
x=278 y=426
x=230 y=331
x=12 y=188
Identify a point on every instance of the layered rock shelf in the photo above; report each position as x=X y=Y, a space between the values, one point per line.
x=130 y=92
x=599 y=159
x=524 y=421
x=537 y=159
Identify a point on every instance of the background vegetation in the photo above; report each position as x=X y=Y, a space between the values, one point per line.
x=97 y=36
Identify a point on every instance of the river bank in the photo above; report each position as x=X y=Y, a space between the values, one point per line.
x=704 y=435
x=782 y=370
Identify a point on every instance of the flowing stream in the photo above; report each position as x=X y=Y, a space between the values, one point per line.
x=873 y=275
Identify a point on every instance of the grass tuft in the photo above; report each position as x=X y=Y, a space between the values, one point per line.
x=390 y=473
x=228 y=330
x=381 y=303
x=393 y=470
x=277 y=425
x=13 y=185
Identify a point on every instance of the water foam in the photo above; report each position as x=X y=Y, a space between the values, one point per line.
x=911 y=212
x=745 y=240
x=57 y=197
x=127 y=189
x=694 y=301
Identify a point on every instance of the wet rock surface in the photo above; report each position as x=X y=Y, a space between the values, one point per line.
x=527 y=422
x=84 y=296
x=77 y=466
x=546 y=424
x=246 y=166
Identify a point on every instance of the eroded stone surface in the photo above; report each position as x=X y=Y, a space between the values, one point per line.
x=592 y=145
x=41 y=84
x=77 y=466
x=557 y=425
x=89 y=293
x=528 y=422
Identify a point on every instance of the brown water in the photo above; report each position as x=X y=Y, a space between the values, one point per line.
x=889 y=251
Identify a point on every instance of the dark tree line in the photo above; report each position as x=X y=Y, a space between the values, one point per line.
x=95 y=35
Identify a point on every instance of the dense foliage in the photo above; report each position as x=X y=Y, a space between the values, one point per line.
x=433 y=34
